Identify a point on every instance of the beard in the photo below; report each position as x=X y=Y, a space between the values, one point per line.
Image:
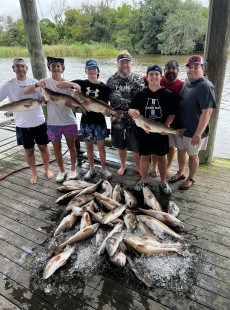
x=170 y=77
x=124 y=73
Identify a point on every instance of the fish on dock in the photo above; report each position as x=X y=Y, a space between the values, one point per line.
x=67 y=222
x=21 y=105
x=150 y=199
x=56 y=262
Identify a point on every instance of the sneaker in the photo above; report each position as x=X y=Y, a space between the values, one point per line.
x=72 y=175
x=140 y=185
x=89 y=174
x=106 y=174
x=60 y=177
x=165 y=189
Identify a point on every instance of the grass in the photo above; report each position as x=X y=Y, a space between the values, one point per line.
x=78 y=50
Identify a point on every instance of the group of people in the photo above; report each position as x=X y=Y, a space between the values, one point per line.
x=165 y=99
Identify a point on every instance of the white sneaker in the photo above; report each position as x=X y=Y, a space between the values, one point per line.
x=106 y=174
x=89 y=174
x=60 y=177
x=72 y=175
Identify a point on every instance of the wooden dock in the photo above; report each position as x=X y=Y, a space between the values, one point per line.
x=29 y=215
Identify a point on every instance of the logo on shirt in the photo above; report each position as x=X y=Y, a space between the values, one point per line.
x=153 y=109
x=91 y=92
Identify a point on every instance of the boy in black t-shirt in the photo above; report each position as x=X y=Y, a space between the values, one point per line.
x=93 y=125
x=157 y=103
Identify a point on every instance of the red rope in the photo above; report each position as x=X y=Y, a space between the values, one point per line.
x=37 y=165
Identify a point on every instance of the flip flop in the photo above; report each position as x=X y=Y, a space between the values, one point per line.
x=154 y=173
x=187 y=187
x=174 y=179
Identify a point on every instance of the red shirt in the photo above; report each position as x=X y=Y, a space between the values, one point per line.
x=176 y=86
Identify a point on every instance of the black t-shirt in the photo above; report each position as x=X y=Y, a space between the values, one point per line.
x=155 y=105
x=99 y=91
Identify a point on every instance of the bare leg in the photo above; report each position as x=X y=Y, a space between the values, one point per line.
x=155 y=166
x=122 y=154
x=72 y=149
x=137 y=159
x=162 y=165
x=101 y=149
x=193 y=166
x=30 y=158
x=58 y=155
x=144 y=167
x=170 y=157
x=45 y=158
x=90 y=154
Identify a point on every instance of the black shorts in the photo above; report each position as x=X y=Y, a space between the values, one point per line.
x=29 y=136
x=125 y=138
x=153 y=143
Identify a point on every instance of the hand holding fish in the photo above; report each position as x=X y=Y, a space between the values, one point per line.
x=76 y=86
x=133 y=113
x=107 y=112
x=41 y=84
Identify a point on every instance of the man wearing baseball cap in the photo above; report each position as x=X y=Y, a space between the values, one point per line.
x=30 y=125
x=157 y=103
x=124 y=85
x=196 y=103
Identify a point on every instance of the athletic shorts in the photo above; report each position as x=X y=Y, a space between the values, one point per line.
x=125 y=138
x=89 y=132
x=29 y=136
x=184 y=143
x=171 y=139
x=153 y=143
x=55 y=132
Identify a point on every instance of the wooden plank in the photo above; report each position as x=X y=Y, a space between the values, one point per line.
x=6 y=304
x=23 y=230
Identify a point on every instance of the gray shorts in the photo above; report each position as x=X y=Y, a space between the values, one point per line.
x=184 y=143
x=171 y=139
x=125 y=138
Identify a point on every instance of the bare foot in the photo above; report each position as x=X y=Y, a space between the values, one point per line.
x=33 y=180
x=121 y=171
x=168 y=173
x=49 y=174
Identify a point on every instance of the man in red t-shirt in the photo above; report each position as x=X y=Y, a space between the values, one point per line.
x=171 y=82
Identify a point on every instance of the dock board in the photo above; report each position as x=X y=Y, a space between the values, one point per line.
x=29 y=215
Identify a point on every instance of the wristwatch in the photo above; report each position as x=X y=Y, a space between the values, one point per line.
x=198 y=134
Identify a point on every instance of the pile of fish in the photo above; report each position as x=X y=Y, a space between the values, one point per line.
x=130 y=230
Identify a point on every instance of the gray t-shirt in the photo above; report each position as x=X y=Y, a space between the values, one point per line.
x=193 y=99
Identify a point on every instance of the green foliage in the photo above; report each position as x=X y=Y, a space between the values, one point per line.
x=151 y=26
x=183 y=30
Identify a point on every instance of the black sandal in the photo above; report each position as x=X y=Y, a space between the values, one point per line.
x=187 y=187
x=180 y=177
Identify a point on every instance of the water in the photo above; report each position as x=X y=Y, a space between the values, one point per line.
x=75 y=69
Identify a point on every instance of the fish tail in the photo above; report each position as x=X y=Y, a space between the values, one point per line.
x=117 y=114
x=58 y=249
x=181 y=131
x=179 y=252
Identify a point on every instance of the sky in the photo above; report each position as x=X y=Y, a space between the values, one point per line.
x=12 y=7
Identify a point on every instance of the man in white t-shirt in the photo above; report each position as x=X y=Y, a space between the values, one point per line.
x=30 y=125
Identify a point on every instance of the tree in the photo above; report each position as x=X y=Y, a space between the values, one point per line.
x=57 y=10
x=184 y=30
x=49 y=32
x=154 y=14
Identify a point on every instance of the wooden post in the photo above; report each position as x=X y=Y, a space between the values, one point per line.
x=34 y=40
x=33 y=37
x=216 y=57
